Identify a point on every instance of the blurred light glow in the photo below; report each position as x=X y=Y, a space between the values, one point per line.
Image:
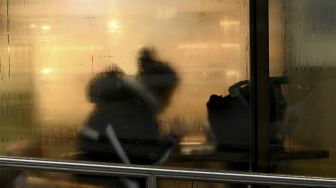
x=225 y=23
x=46 y=71
x=45 y=27
x=114 y=26
x=185 y=143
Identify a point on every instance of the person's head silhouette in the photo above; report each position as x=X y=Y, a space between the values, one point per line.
x=157 y=76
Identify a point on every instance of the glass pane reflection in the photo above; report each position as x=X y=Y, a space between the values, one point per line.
x=123 y=81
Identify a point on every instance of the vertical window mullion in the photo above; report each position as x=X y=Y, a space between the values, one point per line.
x=259 y=78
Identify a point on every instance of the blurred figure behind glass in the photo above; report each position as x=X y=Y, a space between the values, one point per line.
x=123 y=127
x=160 y=78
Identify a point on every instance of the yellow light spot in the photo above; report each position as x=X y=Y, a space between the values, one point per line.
x=45 y=27
x=114 y=26
x=186 y=143
x=46 y=71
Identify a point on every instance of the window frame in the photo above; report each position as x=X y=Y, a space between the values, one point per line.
x=259 y=151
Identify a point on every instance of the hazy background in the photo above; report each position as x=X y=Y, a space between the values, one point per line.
x=50 y=49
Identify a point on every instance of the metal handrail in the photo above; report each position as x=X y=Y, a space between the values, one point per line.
x=151 y=173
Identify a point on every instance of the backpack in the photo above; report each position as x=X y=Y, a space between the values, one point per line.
x=229 y=116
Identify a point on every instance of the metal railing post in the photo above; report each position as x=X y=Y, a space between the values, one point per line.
x=152 y=181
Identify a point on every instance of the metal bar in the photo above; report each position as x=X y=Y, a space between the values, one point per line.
x=259 y=78
x=170 y=173
x=152 y=181
x=253 y=82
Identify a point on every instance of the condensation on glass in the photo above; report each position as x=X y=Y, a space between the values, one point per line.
x=97 y=70
x=302 y=43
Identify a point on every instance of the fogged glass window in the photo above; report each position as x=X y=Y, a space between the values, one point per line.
x=98 y=80
x=302 y=43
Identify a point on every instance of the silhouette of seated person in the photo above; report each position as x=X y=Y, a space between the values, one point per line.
x=123 y=128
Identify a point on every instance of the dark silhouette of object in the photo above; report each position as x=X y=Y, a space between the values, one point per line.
x=229 y=116
x=120 y=105
x=157 y=76
x=123 y=128
x=229 y=119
